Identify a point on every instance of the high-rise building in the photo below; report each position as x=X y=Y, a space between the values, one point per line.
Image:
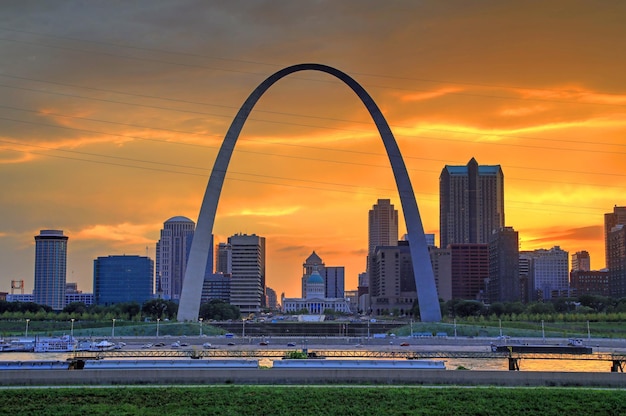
x=247 y=285
x=383 y=225
x=334 y=281
x=50 y=268
x=581 y=261
x=120 y=279
x=469 y=265
x=617 y=260
x=504 y=282
x=471 y=203
x=172 y=252
x=382 y=231
x=548 y=270
x=223 y=259
x=392 y=282
x=272 y=299
x=611 y=219
x=440 y=259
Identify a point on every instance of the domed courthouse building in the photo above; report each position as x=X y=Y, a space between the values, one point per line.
x=315 y=302
x=314 y=298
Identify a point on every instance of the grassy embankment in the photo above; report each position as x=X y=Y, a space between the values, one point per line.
x=307 y=400
x=551 y=329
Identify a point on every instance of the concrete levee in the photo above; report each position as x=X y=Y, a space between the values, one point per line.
x=310 y=376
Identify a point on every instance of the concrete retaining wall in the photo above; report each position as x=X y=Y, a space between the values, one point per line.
x=310 y=376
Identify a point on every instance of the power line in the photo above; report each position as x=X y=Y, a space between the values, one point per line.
x=343 y=129
x=240 y=61
x=262 y=111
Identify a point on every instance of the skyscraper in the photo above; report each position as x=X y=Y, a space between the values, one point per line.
x=119 y=279
x=50 y=268
x=471 y=203
x=611 y=219
x=581 y=261
x=247 y=288
x=548 y=271
x=383 y=225
x=171 y=255
x=504 y=280
x=617 y=260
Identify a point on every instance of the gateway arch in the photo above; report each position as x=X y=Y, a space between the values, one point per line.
x=422 y=268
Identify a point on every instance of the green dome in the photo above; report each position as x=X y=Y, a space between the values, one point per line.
x=315 y=278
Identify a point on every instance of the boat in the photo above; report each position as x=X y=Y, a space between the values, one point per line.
x=573 y=346
x=92 y=346
x=17 y=345
x=65 y=343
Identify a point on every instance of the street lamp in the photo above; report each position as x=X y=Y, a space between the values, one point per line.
x=113 y=329
x=201 y=326
x=543 y=331
x=158 y=319
x=500 y=321
x=243 y=330
x=26 y=334
x=72 y=329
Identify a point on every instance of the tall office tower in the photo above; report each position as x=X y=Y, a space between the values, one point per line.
x=611 y=219
x=50 y=268
x=549 y=272
x=119 y=279
x=392 y=282
x=223 y=259
x=382 y=231
x=334 y=281
x=440 y=258
x=471 y=203
x=504 y=282
x=247 y=285
x=616 y=251
x=469 y=264
x=172 y=251
x=311 y=264
x=383 y=225
x=581 y=261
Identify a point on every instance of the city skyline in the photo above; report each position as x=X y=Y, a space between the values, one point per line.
x=111 y=119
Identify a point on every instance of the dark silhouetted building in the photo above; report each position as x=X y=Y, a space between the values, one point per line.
x=469 y=265
x=504 y=281
x=471 y=203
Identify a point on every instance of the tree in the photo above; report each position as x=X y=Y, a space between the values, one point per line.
x=219 y=310
x=159 y=309
x=75 y=308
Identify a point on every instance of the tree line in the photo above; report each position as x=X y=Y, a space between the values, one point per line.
x=130 y=311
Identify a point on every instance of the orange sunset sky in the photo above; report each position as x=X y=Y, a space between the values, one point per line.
x=111 y=114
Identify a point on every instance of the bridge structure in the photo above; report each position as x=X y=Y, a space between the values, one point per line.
x=422 y=269
x=617 y=360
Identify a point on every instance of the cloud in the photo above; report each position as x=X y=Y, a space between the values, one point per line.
x=589 y=233
x=125 y=232
x=428 y=95
x=267 y=212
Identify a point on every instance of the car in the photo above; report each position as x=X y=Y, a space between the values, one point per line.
x=264 y=343
x=159 y=344
x=291 y=344
x=207 y=345
x=404 y=344
x=231 y=343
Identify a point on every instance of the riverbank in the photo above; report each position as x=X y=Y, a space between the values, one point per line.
x=278 y=376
